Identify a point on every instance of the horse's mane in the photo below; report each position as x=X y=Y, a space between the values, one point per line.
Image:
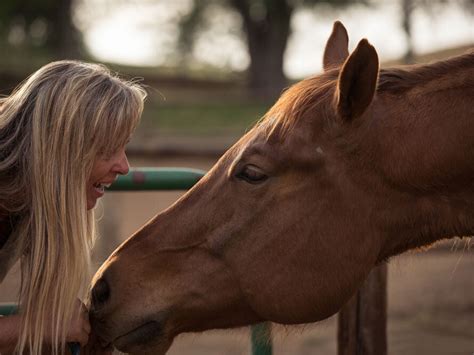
x=302 y=97
x=400 y=79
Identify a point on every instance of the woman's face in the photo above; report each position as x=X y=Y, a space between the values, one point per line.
x=104 y=173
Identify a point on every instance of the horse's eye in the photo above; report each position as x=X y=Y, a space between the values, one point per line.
x=251 y=174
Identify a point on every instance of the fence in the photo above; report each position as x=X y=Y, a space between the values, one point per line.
x=362 y=321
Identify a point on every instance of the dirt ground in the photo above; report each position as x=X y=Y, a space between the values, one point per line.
x=430 y=294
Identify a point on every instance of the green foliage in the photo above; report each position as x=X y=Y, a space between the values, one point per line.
x=23 y=14
x=209 y=118
x=39 y=23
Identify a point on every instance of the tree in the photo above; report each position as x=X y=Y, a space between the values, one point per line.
x=266 y=28
x=45 y=23
x=407 y=11
x=407 y=8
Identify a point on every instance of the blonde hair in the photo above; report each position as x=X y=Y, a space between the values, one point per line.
x=52 y=128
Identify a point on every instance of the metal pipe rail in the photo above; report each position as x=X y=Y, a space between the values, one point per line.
x=155 y=179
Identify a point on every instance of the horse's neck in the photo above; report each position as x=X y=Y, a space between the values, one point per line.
x=429 y=134
x=426 y=146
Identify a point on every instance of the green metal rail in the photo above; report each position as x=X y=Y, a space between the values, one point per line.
x=153 y=179
x=261 y=339
x=7 y=309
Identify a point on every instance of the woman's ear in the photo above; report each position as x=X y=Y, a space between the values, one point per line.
x=336 y=50
x=357 y=81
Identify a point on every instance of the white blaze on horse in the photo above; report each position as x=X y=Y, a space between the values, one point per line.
x=347 y=169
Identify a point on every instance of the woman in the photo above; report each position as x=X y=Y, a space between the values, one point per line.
x=62 y=141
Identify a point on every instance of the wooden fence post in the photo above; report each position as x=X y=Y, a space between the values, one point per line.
x=362 y=323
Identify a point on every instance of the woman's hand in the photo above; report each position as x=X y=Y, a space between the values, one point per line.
x=9 y=332
x=94 y=347
x=78 y=330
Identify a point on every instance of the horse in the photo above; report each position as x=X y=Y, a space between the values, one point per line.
x=347 y=169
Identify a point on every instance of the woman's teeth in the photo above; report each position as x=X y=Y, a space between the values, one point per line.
x=101 y=187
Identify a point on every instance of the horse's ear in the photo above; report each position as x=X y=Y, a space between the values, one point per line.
x=336 y=50
x=357 y=81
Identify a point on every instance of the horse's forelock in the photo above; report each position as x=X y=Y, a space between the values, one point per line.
x=298 y=101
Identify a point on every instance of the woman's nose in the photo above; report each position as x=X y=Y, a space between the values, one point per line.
x=121 y=166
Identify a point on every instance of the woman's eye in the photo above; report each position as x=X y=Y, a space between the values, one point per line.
x=251 y=174
x=105 y=155
x=108 y=154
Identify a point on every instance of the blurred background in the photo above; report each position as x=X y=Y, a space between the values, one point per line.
x=211 y=69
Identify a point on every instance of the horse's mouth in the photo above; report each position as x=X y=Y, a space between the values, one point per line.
x=139 y=337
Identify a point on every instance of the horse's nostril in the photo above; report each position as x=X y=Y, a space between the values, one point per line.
x=100 y=293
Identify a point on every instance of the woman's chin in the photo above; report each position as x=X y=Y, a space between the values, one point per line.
x=91 y=202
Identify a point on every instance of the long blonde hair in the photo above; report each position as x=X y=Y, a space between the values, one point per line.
x=52 y=128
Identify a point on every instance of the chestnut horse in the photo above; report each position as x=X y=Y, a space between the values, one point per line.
x=347 y=169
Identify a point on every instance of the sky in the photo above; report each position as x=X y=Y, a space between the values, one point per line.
x=144 y=33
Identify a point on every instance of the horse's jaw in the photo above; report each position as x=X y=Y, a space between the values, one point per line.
x=139 y=337
x=146 y=339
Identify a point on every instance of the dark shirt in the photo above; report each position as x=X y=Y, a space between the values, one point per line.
x=9 y=252
x=6 y=228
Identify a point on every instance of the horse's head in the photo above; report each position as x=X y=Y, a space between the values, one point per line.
x=283 y=228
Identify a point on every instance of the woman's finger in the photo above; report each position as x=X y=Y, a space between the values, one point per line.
x=94 y=348
x=83 y=338
x=86 y=325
